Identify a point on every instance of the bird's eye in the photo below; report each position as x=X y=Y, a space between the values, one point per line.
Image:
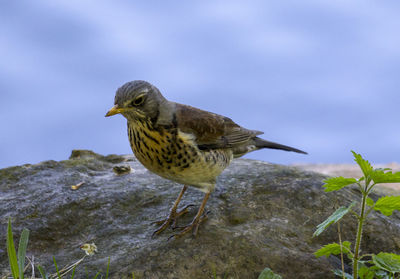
x=138 y=101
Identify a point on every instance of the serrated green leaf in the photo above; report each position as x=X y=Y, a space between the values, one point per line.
x=23 y=243
x=339 y=272
x=336 y=216
x=370 y=202
x=12 y=255
x=385 y=176
x=365 y=272
x=387 y=261
x=384 y=169
x=337 y=183
x=267 y=273
x=365 y=166
x=383 y=275
x=387 y=204
x=333 y=249
x=379 y=273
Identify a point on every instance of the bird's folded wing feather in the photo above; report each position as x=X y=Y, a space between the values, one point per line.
x=211 y=130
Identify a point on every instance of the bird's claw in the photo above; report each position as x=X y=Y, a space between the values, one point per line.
x=193 y=226
x=171 y=219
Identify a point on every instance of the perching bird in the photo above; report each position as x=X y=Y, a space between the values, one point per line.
x=183 y=143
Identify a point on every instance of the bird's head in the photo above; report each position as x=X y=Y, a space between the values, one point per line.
x=137 y=101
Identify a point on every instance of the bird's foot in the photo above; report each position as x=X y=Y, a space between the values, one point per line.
x=193 y=226
x=171 y=220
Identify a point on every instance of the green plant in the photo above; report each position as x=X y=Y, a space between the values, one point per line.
x=64 y=271
x=17 y=261
x=382 y=265
x=267 y=273
x=17 y=264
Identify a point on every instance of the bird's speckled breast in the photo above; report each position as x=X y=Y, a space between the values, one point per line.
x=174 y=155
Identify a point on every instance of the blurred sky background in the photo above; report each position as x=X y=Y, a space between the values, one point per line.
x=322 y=76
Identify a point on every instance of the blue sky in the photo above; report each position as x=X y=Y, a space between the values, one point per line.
x=322 y=76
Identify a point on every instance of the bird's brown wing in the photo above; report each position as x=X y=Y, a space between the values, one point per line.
x=211 y=130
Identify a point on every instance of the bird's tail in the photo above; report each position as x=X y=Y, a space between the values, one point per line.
x=261 y=143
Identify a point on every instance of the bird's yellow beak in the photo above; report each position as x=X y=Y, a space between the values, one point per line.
x=114 y=110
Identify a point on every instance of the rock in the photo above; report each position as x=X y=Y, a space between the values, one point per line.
x=262 y=215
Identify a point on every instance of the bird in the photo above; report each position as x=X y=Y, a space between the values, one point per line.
x=183 y=144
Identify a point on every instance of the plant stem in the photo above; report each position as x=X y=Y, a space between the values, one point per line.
x=341 y=249
x=359 y=234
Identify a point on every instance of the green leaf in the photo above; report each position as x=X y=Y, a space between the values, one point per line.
x=381 y=274
x=333 y=249
x=108 y=267
x=338 y=272
x=73 y=273
x=366 y=273
x=370 y=202
x=42 y=272
x=12 y=255
x=23 y=243
x=384 y=169
x=386 y=205
x=385 y=176
x=337 y=183
x=267 y=273
x=365 y=166
x=336 y=216
x=387 y=261
x=55 y=264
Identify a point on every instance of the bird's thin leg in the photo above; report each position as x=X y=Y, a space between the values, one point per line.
x=194 y=225
x=173 y=214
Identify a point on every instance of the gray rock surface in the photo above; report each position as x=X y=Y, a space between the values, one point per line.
x=262 y=215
